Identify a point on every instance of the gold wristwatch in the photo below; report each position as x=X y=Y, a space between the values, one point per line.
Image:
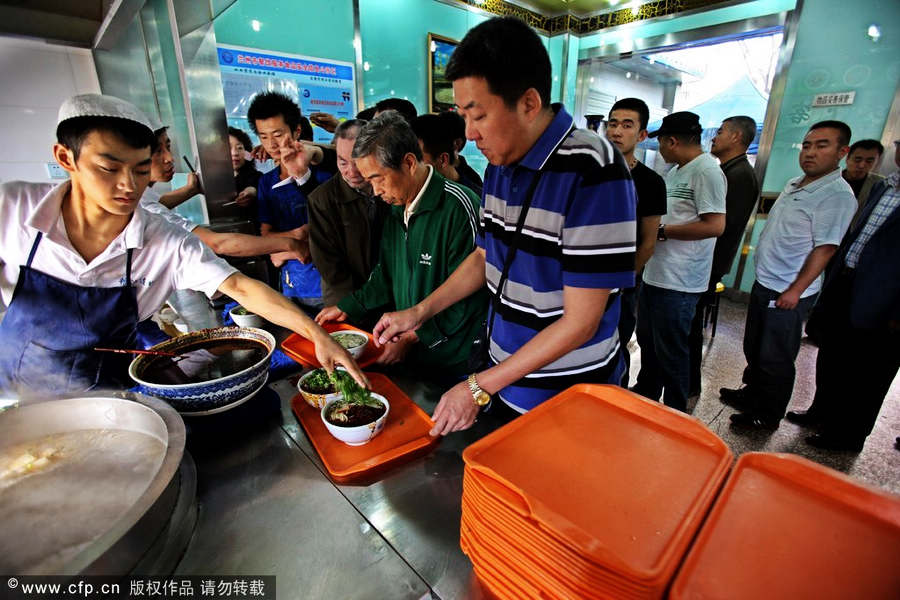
x=479 y=396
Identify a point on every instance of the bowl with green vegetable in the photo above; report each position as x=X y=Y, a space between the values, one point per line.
x=317 y=388
x=358 y=416
x=353 y=342
x=244 y=318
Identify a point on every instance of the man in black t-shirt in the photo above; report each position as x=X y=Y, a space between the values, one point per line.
x=730 y=145
x=625 y=129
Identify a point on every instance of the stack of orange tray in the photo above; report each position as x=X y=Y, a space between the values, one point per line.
x=596 y=493
x=787 y=528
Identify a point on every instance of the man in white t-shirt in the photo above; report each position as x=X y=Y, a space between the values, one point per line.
x=678 y=272
x=801 y=235
x=81 y=264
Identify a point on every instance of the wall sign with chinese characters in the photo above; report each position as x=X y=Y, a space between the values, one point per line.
x=833 y=99
x=315 y=84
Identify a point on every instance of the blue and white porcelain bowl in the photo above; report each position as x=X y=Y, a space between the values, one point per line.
x=211 y=394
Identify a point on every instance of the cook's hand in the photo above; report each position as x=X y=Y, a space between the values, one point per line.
x=456 y=411
x=324 y=120
x=246 y=197
x=397 y=351
x=788 y=299
x=330 y=354
x=330 y=313
x=392 y=324
x=295 y=157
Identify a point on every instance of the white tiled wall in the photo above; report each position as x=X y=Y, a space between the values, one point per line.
x=35 y=77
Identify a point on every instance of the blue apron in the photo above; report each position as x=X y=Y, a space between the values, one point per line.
x=301 y=281
x=51 y=327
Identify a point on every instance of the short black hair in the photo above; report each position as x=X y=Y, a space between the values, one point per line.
x=844 y=133
x=71 y=133
x=406 y=108
x=156 y=133
x=242 y=137
x=271 y=104
x=306 y=129
x=456 y=124
x=635 y=104
x=685 y=139
x=510 y=57
x=867 y=145
x=435 y=135
x=366 y=114
x=744 y=125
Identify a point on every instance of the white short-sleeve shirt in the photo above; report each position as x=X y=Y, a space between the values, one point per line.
x=150 y=202
x=802 y=219
x=165 y=256
x=697 y=188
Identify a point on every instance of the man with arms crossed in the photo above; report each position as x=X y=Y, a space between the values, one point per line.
x=730 y=146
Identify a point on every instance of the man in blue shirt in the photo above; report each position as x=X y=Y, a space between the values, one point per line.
x=282 y=198
x=554 y=323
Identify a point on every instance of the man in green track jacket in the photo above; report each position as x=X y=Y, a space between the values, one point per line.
x=430 y=231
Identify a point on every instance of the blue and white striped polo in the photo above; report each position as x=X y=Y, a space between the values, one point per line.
x=579 y=232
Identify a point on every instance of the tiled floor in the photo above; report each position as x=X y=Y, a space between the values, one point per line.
x=879 y=462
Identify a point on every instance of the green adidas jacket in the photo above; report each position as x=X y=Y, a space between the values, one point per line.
x=416 y=262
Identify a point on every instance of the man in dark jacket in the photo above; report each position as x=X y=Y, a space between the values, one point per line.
x=345 y=222
x=856 y=323
x=730 y=146
x=431 y=229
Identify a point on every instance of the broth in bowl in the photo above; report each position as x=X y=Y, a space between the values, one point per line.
x=204 y=361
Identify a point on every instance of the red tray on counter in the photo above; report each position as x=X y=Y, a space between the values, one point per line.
x=304 y=351
x=404 y=438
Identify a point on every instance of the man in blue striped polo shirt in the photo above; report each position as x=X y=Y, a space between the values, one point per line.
x=555 y=322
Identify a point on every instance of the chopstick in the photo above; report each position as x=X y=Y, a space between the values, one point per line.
x=230 y=203
x=135 y=351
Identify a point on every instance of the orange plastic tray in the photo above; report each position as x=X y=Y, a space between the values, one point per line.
x=622 y=481
x=304 y=351
x=405 y=436
x=786 y=528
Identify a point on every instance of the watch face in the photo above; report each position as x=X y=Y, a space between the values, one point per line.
x=482 y=399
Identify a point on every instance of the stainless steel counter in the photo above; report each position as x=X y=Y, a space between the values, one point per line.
x=268 y=508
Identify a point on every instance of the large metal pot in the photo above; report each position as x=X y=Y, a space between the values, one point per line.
x=98 y=510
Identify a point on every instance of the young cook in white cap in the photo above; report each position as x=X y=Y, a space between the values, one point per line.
x=80 y=266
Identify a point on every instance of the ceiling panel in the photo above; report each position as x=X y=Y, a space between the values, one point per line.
x=576 y=7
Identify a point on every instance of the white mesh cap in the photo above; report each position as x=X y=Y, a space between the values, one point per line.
x=98 y=105
x=155 y=124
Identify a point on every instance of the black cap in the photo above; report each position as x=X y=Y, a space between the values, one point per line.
x=679 y=122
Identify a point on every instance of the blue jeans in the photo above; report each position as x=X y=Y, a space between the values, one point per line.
x=663 y=329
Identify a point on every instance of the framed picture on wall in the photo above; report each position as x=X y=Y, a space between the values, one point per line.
x=440 y=91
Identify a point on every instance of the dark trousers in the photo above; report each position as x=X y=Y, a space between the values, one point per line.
x=855 y=367
x=627 y=321
x=771 y=343
x=663 y=325
x=695 y=338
